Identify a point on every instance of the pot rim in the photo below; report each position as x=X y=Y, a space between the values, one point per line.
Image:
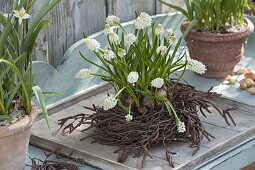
x=21 y=125
x=196 y=35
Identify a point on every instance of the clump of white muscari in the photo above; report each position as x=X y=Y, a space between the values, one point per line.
x=162 y=50
x=159 y=30
x=110 y=102
x=92 y=44
x=21 y=14
x=133 y=77
x=143 y=21
x=112 y=20
x=157 y=82
x=130 y=38
x=129 y=117
x=181 y=128
x=84 y=74
x=196 y=66
x=108 y=55
x=113 y=37
x=121 y=52
x=108 y=29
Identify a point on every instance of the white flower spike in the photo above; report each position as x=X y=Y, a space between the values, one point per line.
x=92 y=44
x=110 y=102
x=196 y=66
x=113 y=37
x=159 y=30
x=83 y=74
x=169 y=35
x=21 y=14
x=112 y=20
x=129 y=117
x=130 y=39
x=108 y=29
x=109 y=55
x=133 y=77
x=157 y=82
x=143 y=21
x=121 y=52
x=162 y=50
x=181 y=128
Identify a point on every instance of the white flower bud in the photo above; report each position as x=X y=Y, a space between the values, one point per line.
x=121 y=52
x=129 y=117
x=112 y=20
x=133 y=77
x=181 y=128
x=159 y=30
x=162 y=50
x=110 y=102
x=113 y=37
x=196 y=66
x=83 y=74
x=157 y=82
x=143 y=21
x=108 y=55
x=108 y=29
x=130 y=38
x=92 y=44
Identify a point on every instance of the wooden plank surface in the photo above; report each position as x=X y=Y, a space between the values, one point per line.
x=103 y=156
x=70 y=19
x=126 y=10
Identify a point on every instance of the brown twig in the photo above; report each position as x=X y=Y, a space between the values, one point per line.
x=152 y=127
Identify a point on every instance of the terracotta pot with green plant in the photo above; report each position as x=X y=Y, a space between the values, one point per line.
x=219 y=36
x=18 y=33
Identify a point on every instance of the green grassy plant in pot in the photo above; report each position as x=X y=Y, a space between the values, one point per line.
x=18 y=32
x=219 y=36
x=146 y=107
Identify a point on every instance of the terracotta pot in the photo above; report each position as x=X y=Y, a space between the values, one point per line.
x=14 y=140
x=219 y=52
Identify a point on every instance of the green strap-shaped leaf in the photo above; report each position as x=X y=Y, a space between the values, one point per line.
x=40 y=97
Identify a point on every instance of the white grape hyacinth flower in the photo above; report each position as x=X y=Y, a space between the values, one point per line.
x=159 y=30
x=129 y=117
x=143 y=21
x=112 y=20
x=21 y=14
x=121 y=52
x=92 y=44
x=109 y=55
x=133 y=77
x=169 y=34
x=84 y=74
x=162 y=50
x=108 y=29
x=157 y=82
x=130 y=39
x=110 y=102
x=113 y=37
x=196 y=66
x=181 y=128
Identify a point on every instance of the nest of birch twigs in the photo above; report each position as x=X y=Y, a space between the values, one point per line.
x=153 y=126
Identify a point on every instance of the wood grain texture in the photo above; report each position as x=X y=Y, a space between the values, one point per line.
x=126 y=10
x=70 y=19
x=6 y=6
x=73 y=17
x=226 y=138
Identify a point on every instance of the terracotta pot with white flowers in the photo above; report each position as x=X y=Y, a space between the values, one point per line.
x=219 y=34
x=147 y=107
x=17 y=113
